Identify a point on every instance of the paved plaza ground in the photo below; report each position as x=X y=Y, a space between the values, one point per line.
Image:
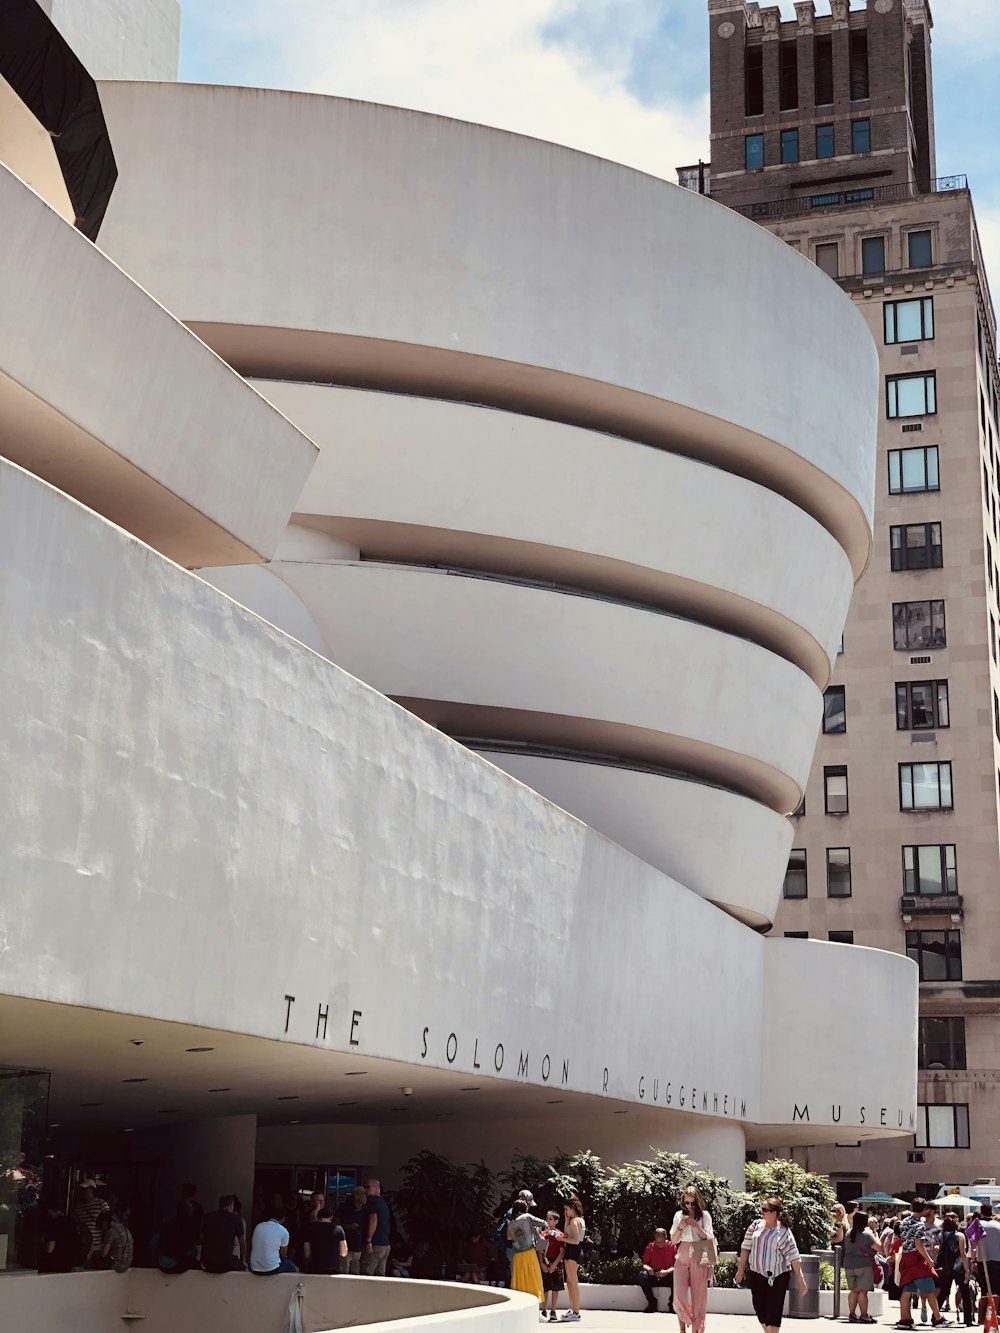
x=614 y=1321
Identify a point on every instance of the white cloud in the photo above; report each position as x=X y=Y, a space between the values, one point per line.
x=495 y=63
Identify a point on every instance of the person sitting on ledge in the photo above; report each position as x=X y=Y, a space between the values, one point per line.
x=269 y=1246
x=221 y=1233
x=658 y=1270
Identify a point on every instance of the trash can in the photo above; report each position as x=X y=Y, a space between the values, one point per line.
x=807 y=1306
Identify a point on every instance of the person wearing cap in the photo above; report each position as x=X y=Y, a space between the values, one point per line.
x=658 y=1270
x=90 y=1209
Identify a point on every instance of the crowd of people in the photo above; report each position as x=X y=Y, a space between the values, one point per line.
x=921 y=1256
x=300 y=1236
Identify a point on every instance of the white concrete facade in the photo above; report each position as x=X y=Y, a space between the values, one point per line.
x=121 y=39
x=560 y=526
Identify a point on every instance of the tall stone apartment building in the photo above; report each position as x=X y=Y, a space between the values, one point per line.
x=823 y=132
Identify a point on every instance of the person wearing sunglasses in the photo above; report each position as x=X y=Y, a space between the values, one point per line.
x=772 y=1256
x=692 y=1223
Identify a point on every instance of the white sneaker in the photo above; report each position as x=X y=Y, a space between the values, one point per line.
x=569 y=1317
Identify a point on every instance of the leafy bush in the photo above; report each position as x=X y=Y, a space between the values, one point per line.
x=826 y=1277
x=612 y=1272
x=725 y=1272
x=807 y=1197
x=637 y=1197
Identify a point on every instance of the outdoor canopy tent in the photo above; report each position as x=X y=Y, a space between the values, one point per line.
x=881 y=1197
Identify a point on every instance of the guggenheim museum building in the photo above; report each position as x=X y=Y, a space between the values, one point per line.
x=423 y=550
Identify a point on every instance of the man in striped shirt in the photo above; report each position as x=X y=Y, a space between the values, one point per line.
x=90 y=1209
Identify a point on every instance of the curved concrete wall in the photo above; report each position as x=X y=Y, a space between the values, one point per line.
x=488 y=658
x=184 y=762
x=426 y=481
x=134 y=416
x=315 y=238
x=731 y=850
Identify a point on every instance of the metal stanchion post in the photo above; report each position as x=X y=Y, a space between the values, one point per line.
x=837 y=1254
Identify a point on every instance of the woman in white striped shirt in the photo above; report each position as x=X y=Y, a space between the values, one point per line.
x=770 y=1250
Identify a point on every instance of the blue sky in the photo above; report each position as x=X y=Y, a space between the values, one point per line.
x=626 y=79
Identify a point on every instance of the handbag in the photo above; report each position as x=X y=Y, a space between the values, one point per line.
x=705 y=1252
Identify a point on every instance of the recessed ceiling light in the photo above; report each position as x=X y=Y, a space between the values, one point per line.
x=619 y=1112
x=171 y=1110
x=556 y=1101
x=347 y=1103
x=220 y=1089
x=398 y=1108
x=133 y=1042
x=468 y=1089
x=128 y=1131
x=135 y=1080
x=91 y=1103
x=295 y=1122
x=355 y=1073
x=289 y=1097
x=56 y=1124
x=197 y=1050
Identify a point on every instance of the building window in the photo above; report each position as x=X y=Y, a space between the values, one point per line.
x=835 y=709
x=925 y=787
x=918 y=249
x=788 y=77
x=930 y=870
x=755 y=81
x=828 y=258
x=941 y=1043
x=912 y=470
x=796 y=934
x=859 y=69
x=873 y=254
x=796 y=879
x=754 y=148
x=915 y=546
x=840 y=936
x=918 y=625
x=922 y=705
x=909 y=321
x=861 y=136
x=911 y=395
x=823 y=60
x=838 y=872
x=835 y=789
x=937 y=954
x=789 y=146
x=942 y=1126
x=825 y=141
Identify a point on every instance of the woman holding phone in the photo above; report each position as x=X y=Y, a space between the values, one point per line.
x=692 y=1222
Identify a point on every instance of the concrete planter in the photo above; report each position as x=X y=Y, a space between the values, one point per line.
x=721 y=1300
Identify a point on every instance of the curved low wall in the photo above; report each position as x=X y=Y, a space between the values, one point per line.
x=462 y=262
x=207 y=1303
x=426 y=481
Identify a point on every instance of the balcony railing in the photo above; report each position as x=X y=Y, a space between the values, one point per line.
x=852 y=198
x=930 y=904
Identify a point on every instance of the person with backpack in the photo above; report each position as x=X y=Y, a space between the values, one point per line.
x=953 y=1266
x=525 y=1271
x=860 y=1248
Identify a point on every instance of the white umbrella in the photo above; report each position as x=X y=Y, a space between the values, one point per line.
x=946 y=1201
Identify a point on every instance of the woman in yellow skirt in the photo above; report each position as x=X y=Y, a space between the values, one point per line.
x=525 y=1272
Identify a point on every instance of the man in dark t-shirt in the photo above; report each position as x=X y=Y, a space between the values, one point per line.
x=352 y=1216
x=375 y=1230
x=324 y=1245
x=59 y=1244
x=220 y=1233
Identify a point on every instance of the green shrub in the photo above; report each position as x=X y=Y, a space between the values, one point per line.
x=807 y=1197
x=826 y=1277
x=612 y=1272
x=725 y=1272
